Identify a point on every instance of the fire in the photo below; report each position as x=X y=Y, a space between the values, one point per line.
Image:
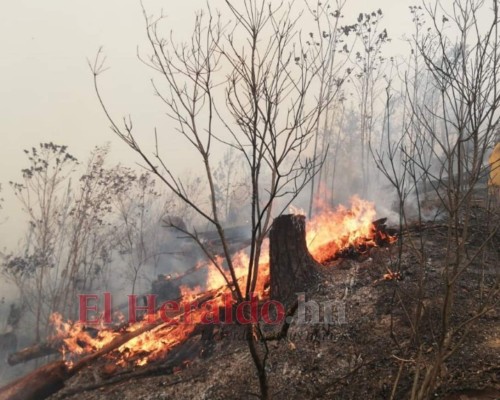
x=329 y=234
x=155 y=343
x=78 y=339
x=190 y=293
x=332 y=231
x=240 y=261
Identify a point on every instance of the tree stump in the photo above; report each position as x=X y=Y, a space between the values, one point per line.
x=292 y=268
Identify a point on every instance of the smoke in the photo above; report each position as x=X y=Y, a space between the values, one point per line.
x=12 y=332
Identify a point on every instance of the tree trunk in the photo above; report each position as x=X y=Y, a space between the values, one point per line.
x=292 y=267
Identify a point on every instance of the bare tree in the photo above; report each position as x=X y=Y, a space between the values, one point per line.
x=245 y=86
x=137 y=222
x=67 y=247
x=369 y=71
x=45 y=198
x=444 y=143
x=231 y=185
x=331 y=47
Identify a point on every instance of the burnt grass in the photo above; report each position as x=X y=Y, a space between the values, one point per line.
x=356 y=358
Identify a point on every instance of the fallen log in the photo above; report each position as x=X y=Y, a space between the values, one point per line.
x=126 y=337
x=46 y=348
x=50 y=378
x=35 y=351
x=43 y=349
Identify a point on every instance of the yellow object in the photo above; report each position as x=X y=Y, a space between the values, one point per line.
x=494 y=161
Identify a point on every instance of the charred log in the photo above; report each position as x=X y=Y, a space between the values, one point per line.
x=292 y=268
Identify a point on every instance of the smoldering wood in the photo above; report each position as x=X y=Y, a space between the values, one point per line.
x=50 y=378
x=126 y=337
x=46 y=348
x=381 y=229
x=151 y=371
x=292 y=268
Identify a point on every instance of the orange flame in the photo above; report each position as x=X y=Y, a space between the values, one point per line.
x=331 y=231
x=328 y=233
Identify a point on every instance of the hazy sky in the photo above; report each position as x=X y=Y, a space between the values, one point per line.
x=46 y=86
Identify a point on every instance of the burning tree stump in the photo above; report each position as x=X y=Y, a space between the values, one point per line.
x=292 y=268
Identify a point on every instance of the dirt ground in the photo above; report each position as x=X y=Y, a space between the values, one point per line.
x=357 y=354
